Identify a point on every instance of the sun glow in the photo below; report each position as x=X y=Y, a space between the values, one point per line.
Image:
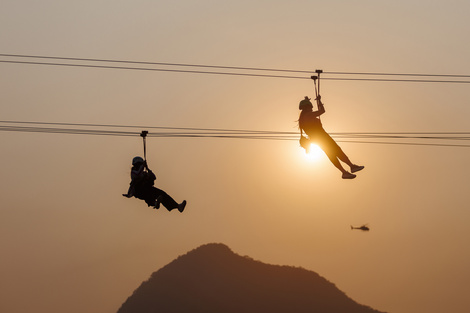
x=315 y=153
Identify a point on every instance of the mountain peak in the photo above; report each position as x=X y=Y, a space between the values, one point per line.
x=212 y=249
x=212 y=278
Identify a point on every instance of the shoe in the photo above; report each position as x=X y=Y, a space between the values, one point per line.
x=347 y=175
x=181 y=206
x=356 y=168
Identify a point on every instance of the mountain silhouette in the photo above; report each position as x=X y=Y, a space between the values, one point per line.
x=213 y=279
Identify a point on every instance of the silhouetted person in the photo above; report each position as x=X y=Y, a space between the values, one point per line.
x=310 y=123
x=142 y=187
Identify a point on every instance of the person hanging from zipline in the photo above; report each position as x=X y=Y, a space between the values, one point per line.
x=310 y=123
x=142 y=186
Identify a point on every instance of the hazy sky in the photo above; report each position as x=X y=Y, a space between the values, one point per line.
x=71 y=243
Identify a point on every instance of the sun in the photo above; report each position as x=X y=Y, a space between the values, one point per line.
x=315 y=153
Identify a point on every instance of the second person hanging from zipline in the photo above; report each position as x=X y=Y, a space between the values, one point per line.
x=142 y=187
x=309 y=122
x=142 y=184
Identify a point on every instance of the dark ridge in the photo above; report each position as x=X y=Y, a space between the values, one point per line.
x=212 y=278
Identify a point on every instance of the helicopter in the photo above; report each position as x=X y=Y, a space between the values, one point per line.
x=364 y=227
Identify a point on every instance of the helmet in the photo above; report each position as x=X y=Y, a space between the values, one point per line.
x=305 y=103
x=137 y=160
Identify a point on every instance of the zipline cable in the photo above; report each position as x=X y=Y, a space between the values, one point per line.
x=398 y=74
x=140 y=127
x=273 y=136
x=249 y=74
x=157 y=63
x=407 y=143
x=399 y=80
x=242 y=131
x=153 y=69
x=229 y=67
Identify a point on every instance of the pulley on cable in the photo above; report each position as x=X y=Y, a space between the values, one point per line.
x=142 y=184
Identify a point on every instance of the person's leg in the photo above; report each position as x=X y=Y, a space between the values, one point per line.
x=168 y=202
x=151 y=202
x=335 y=161
x=332 y=150
x=336 y=150
x=345 y=159
x=146 y=195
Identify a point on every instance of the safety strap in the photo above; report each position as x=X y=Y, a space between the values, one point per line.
x=143 y=134
x=318 y=81
x=315 y=85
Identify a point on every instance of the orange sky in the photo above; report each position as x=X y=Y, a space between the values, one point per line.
x=71 y=242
